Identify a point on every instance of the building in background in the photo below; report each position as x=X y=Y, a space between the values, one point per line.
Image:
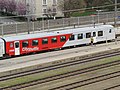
x=42 y=8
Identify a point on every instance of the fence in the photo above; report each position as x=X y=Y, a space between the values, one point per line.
x=16 y=28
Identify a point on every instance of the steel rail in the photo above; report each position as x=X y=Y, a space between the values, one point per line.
x=61 y=65
x=48 y=79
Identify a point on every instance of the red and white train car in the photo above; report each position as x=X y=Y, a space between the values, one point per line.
x=24 y=44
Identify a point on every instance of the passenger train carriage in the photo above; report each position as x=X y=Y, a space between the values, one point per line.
x=24 y=44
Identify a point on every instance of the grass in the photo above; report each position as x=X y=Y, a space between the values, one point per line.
x=77 y=14
x=55 y=72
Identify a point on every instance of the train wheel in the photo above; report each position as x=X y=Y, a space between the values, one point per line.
x=6 y=56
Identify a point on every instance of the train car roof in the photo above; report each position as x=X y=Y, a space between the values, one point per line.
x=52 y=33
x=1 y=40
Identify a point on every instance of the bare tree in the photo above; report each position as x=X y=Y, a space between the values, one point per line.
x=68 y=5
x=89 y=3
x=4 y=5
x=21 y=8
x=101 y=2
x=1 y=5
x=11 y=6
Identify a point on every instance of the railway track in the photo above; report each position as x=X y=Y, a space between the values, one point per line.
x=110 y=88
x=60 y=76
x=61 y=65
x=88 y=81
x=70 y=74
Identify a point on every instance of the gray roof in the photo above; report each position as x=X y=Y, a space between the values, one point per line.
x=52 y=33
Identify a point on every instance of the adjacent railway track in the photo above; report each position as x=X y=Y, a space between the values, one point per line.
x=88 y=81
x=63 y=75
x=60 y=65
x=71 y=74
x=110 y=88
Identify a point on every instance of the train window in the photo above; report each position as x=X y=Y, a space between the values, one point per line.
x=17 y=45
x=54 y=40
x=34 y=42
x=45 y=41
x=63 y=38
x=110 y=31
x=100 y=33
x=94 y=34
x=88 y=35
x=11 y=45
x=80 y=36
x=25 y=44
x=72 y=37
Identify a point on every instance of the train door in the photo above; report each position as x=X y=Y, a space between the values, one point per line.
x=94 y=37
x=17 y=47
x=1 y=49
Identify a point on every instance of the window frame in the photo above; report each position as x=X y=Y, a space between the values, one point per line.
x=44 y=2
x=81 y=37
x=54 y=10
x=44 y=10
x=110 y=30
x=44 y=43
x=89 y=35
x=17 y=44
x=94 y=34
x=72 y=38
x=54 y=2
x=54 y=41
x=100 y=34
x=35 y=44
x=62 y=40
x=23 y=42
x=11 y=45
